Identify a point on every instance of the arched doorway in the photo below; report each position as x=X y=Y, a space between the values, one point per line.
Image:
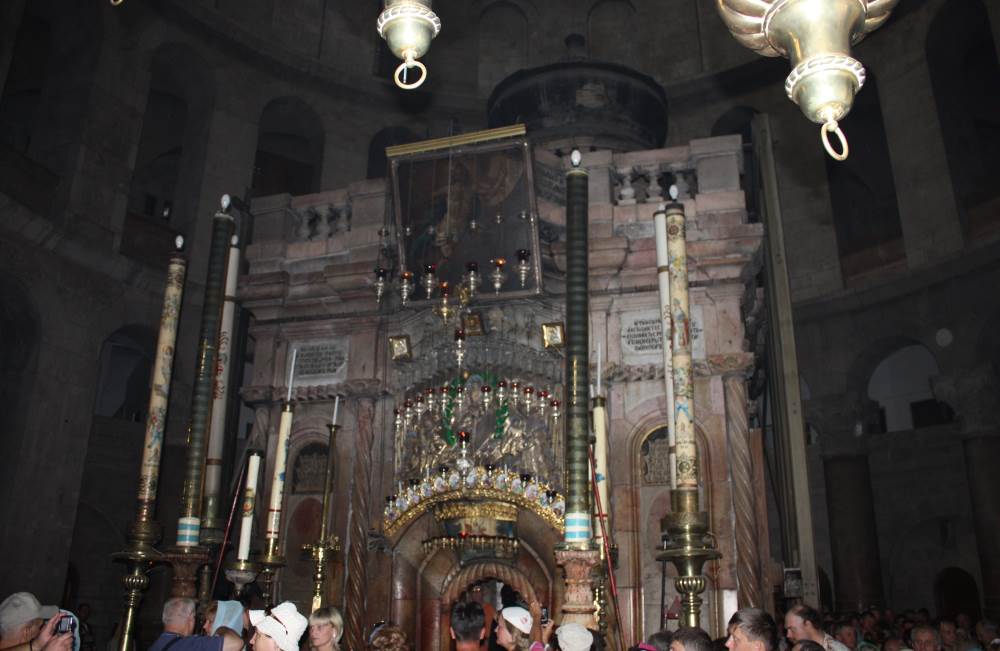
x=955 y=591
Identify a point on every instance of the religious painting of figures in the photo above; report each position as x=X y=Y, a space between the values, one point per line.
x=466 y=204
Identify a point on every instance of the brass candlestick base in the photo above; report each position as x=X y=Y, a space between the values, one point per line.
x=321 y=552
x=185 y=562
x=271 y=561
x=138 y=559
x=688 y=544
x=242 y=573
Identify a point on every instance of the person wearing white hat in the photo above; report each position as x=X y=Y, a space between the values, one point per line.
x=21 y=619
x=514 y=630
x=574 y=637
x=279 y=628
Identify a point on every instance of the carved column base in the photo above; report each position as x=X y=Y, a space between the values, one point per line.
x=578 y=565
x=185 y=562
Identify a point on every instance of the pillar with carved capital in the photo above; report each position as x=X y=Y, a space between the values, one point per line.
x=578 y=603
x=357 y=553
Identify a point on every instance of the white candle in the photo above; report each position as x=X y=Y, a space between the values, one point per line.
x=278 y=479
x=336 y=408
x=249 y=497
x=291 y=375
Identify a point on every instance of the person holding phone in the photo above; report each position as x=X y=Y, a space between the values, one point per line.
x=21 y=619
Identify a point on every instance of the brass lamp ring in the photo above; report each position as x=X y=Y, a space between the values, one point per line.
x=400 y=78
x=825 y=63
x=824 y=134
x=408 y=10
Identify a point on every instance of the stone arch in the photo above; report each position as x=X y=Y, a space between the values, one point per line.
x=608 y=24
x=956 y=591
x=485 y=570
x=965 y=79
x=503 y=43
x=863 y=195
x=901 y=385
x=387 y=137
x=289 y=156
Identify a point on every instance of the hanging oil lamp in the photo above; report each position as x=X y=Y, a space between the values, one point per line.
x=408 y=27
x=445 y=310
x=472 y=279
x=498 y=276
x=380 y=283
x=529 y=396
x=523 y=268
x=405 y=286
x=430 y=279
x=460 y=355
x=487 y=395
x=816 y=35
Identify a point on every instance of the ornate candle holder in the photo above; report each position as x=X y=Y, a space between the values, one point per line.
x=472 y=278
x=405 y=286
x=487 y=395
x=445 y=310
x=498 y=276
x=523 y=268
x=326 y=545
x=460 y=353
x=242 y=573
x=429 y=280
x=529 y=398
x=380 y=284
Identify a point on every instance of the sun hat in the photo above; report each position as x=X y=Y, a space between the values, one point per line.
x=574 y=637
x=22 y=607
x=283 y=624
x=519 y=617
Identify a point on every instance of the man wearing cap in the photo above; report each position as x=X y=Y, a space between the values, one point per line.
x=21 y=619
x=574 y=637
x=178 y=626
x=279 y=628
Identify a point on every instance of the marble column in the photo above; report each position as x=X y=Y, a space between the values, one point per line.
x=856 y=567
x=744 y=506
x=357 y=553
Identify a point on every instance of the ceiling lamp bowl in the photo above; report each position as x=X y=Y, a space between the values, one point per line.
x=816 y=36
x=408 y=27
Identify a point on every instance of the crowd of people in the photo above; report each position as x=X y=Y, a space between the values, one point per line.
x=475 y=624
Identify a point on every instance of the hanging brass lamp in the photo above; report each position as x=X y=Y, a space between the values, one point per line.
x=816 y=35
x=408 y=27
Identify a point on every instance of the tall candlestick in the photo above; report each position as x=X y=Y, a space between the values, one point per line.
x=336 y=409
x=278 y=477
x=666 y=328
x=249 y=500
x=687 y=450
x=212 y=527
x=189 y=524
x=291 y=375
x=601 y=458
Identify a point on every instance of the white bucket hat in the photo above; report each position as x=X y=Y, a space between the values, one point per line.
x=22 y=607
x=519 y=617
x=284 y=624
x=574 y=637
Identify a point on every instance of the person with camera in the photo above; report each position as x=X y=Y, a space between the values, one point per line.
x=23 y=626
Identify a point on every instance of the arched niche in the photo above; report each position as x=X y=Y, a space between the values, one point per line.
x=863 y=195
x=124 y=370
x=901 y=385
x=965 y=78
x=387 y=137
x=611 y=29
x=289 y=156
x=650 y=504
x=503 y=43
